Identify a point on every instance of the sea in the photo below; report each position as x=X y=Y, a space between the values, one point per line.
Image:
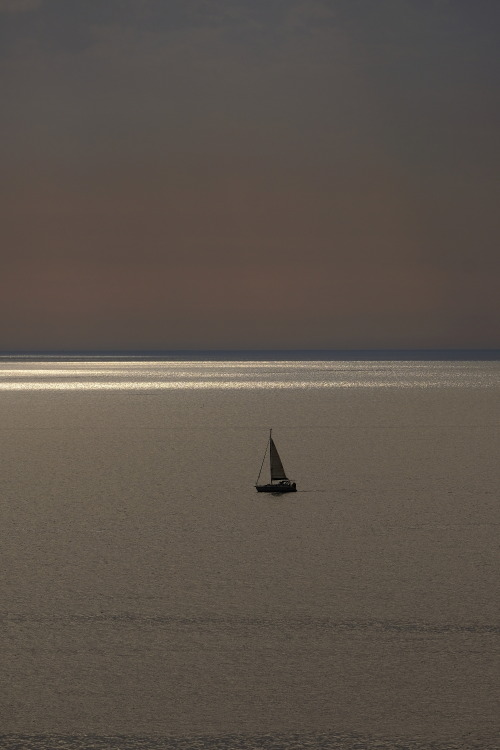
x=151 y=599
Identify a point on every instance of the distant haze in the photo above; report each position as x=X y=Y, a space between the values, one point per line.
x=249 y=174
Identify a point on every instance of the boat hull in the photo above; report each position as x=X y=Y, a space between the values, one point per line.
x=276 y=488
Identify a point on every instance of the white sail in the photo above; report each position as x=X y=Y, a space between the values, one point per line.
x=277 y=470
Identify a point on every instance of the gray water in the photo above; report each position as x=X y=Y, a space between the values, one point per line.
x=150 y=598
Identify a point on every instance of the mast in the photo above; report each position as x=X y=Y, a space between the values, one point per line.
x=270 y=456
x=268 y=445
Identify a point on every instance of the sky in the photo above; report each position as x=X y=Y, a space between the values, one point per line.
x=249 y=174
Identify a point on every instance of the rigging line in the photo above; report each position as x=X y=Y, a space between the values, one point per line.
x=264 y=457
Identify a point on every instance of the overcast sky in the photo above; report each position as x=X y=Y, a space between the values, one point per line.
x=249 y=174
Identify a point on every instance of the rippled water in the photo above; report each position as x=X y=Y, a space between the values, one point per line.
x=150 y=598
x=148 y=376
x=276 y=741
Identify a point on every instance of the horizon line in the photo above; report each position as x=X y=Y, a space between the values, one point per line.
x=327 y=354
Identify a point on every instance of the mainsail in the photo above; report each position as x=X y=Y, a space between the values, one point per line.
x=277 y=470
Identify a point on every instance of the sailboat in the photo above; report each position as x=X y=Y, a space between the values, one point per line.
x=279 y=480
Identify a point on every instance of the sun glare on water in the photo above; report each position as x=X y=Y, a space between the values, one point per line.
x=158 y=376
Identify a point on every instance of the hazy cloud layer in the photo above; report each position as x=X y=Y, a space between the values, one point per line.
x=18 y=6
x=264 y=173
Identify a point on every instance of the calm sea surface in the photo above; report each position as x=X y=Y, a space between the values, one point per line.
x=150 y=598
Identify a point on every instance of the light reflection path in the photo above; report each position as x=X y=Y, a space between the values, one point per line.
x=176 y=385
x=159 y=376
